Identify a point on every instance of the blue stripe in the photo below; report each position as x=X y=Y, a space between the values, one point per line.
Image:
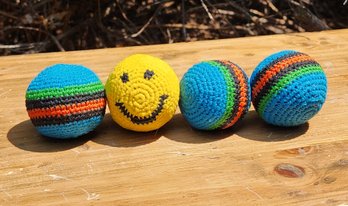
x=63 y=75
x=72 y=129
x=296 y=103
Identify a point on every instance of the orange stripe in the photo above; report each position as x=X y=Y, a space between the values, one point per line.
x=62 y=110
x=275 y=69
x=243 y=93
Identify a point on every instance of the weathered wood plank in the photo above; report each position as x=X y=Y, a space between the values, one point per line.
x=176 y=165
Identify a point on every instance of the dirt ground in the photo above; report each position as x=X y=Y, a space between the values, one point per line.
x=31 y=26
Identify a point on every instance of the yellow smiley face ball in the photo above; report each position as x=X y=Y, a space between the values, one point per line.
x=142 y=92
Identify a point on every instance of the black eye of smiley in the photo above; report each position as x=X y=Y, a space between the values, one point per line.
x=124 y=78
x=148 y=74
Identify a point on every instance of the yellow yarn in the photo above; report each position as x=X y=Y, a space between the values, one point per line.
x=143 y=93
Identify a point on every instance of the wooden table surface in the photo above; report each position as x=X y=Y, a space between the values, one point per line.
x=253 y=164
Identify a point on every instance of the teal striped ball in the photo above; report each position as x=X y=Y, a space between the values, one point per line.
x=214 y=95
x=288 y=88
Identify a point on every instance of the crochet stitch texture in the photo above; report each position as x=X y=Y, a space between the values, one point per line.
x=65 y=101
x=288 y=88
x=214 y=95
x=142 y=92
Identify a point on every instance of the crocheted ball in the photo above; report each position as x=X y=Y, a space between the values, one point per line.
x=142 y=92
x=65 y=101
x=214 y=95
x=288 y=88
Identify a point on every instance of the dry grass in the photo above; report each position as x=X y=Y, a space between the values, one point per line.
x=51 y=25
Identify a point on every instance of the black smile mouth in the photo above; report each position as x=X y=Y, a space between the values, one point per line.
x=143 y=120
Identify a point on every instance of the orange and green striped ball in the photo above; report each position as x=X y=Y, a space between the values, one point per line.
x=288 y=88
x=65 y=101
x=214 y=95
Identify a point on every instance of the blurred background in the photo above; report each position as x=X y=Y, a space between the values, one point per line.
x=50 y=25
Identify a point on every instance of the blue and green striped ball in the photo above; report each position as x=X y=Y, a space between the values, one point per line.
x=288 y=88
x=214 y=95
x=65 y=101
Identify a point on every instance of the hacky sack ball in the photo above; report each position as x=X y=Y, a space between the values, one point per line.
x=214 y=95
x=65 y=101
x=288 y=88
x=142 y=92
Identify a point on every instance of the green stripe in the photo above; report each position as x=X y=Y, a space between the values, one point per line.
x=230 y=93
x=65 y=91
x=286 y=80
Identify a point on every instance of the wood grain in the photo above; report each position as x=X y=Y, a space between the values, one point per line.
x=254 y=164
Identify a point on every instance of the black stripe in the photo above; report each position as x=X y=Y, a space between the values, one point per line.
x=275 y=79
x=143 y=120
x=51 y=102
x=48 y=121
x=246 y=108
x=266 y=68
x=237 y=92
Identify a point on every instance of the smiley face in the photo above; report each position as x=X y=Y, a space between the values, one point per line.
x=142 y=92
x=147 y=119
